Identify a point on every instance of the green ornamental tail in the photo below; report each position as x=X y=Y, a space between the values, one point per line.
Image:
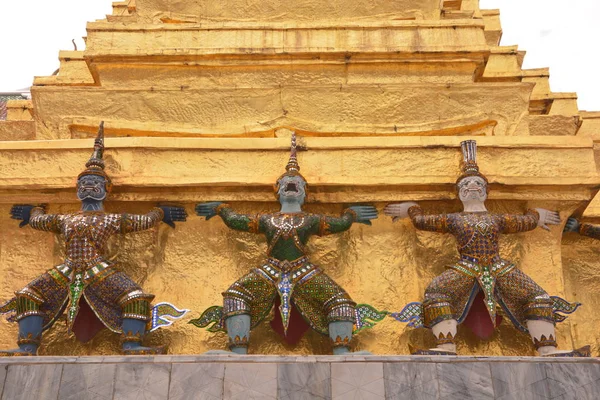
x=9 y=307
x=367 y=317
x=212 y=315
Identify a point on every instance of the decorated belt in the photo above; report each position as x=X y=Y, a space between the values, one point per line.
x=68 y=268
x=475 y=267
x=83 y=265
x=285 y=265
x=484 y=260
x=297 y=271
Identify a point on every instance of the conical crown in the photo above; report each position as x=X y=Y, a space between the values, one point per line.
x=292 y=168
x=469 y=166
x=96 y=160
x=95 y=165
x=292 y=164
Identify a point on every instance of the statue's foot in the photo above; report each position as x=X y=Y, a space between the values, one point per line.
x=353 y=353
x=143 y=351
x=220 y=352
x=436 y=351
x=16 y=353
x=361 y=353
x=584 y=351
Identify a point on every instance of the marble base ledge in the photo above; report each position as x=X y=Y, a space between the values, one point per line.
x=298 y=377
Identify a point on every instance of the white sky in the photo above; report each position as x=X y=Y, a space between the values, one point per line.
x=559 y=34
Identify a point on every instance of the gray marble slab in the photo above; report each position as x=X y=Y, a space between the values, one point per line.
x=87 y=382
x=515 y=381
x=573 y=381
x=142 y=381
x=26 y=382
x=357 y=381
x=298 y=377
x=3 y=369
x=257 y=358
x=250 y=381
x=416 y=381
x=304 y=381
x=465 y=381
x=197 y=381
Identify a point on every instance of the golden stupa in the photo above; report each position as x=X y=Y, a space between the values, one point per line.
x=199 y=99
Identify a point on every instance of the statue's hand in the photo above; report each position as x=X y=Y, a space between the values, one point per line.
x=207 y=210
x=572 y=225
x=173 y=214
x=22 y=212
x=398 y=210
x=547 y=217
x=364 y=214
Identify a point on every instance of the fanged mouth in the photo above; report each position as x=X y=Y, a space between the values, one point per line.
x=291 y=187
x=93 y=189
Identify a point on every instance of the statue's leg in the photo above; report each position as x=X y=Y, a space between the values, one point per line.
x=246 y=302
x=136 y=314
x=446 y=293
x=543 y=336
x=323 y=293
x=444 y=333
x=528 y=304
x=133 y=334
x=340 y=333
x=28 y=304
x=238 y=330
x=30 y=336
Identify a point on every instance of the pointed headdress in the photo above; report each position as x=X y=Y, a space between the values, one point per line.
x=292 y=168
x=95 y=165
x=469 y=166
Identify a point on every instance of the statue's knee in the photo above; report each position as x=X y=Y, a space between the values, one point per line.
x=136 y=305
x=540 y=307
x=28 y=303
x=436 y=310
x=341 y=312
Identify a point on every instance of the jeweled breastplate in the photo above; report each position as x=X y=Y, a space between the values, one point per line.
x=478 y=244
x=478 y=236
x=287 y=264
x=285 y=242
x=85 y=239
x=286 y=224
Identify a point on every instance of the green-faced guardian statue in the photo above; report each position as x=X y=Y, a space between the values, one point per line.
x=299 y=290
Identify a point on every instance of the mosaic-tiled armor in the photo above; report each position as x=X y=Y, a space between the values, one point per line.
x=91 y=289
x=480 y=267
x=480 y=272
x=288 y=278
x=85 y=272
x=590 y=230
x=288 y=273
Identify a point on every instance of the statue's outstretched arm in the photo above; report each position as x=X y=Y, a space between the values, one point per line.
x=361 y=214
x=590 y=230
x=36 y=217
x=585 y=229
x=142 y=222
x=433 y=223
x=515 y=223
x=239 y=222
